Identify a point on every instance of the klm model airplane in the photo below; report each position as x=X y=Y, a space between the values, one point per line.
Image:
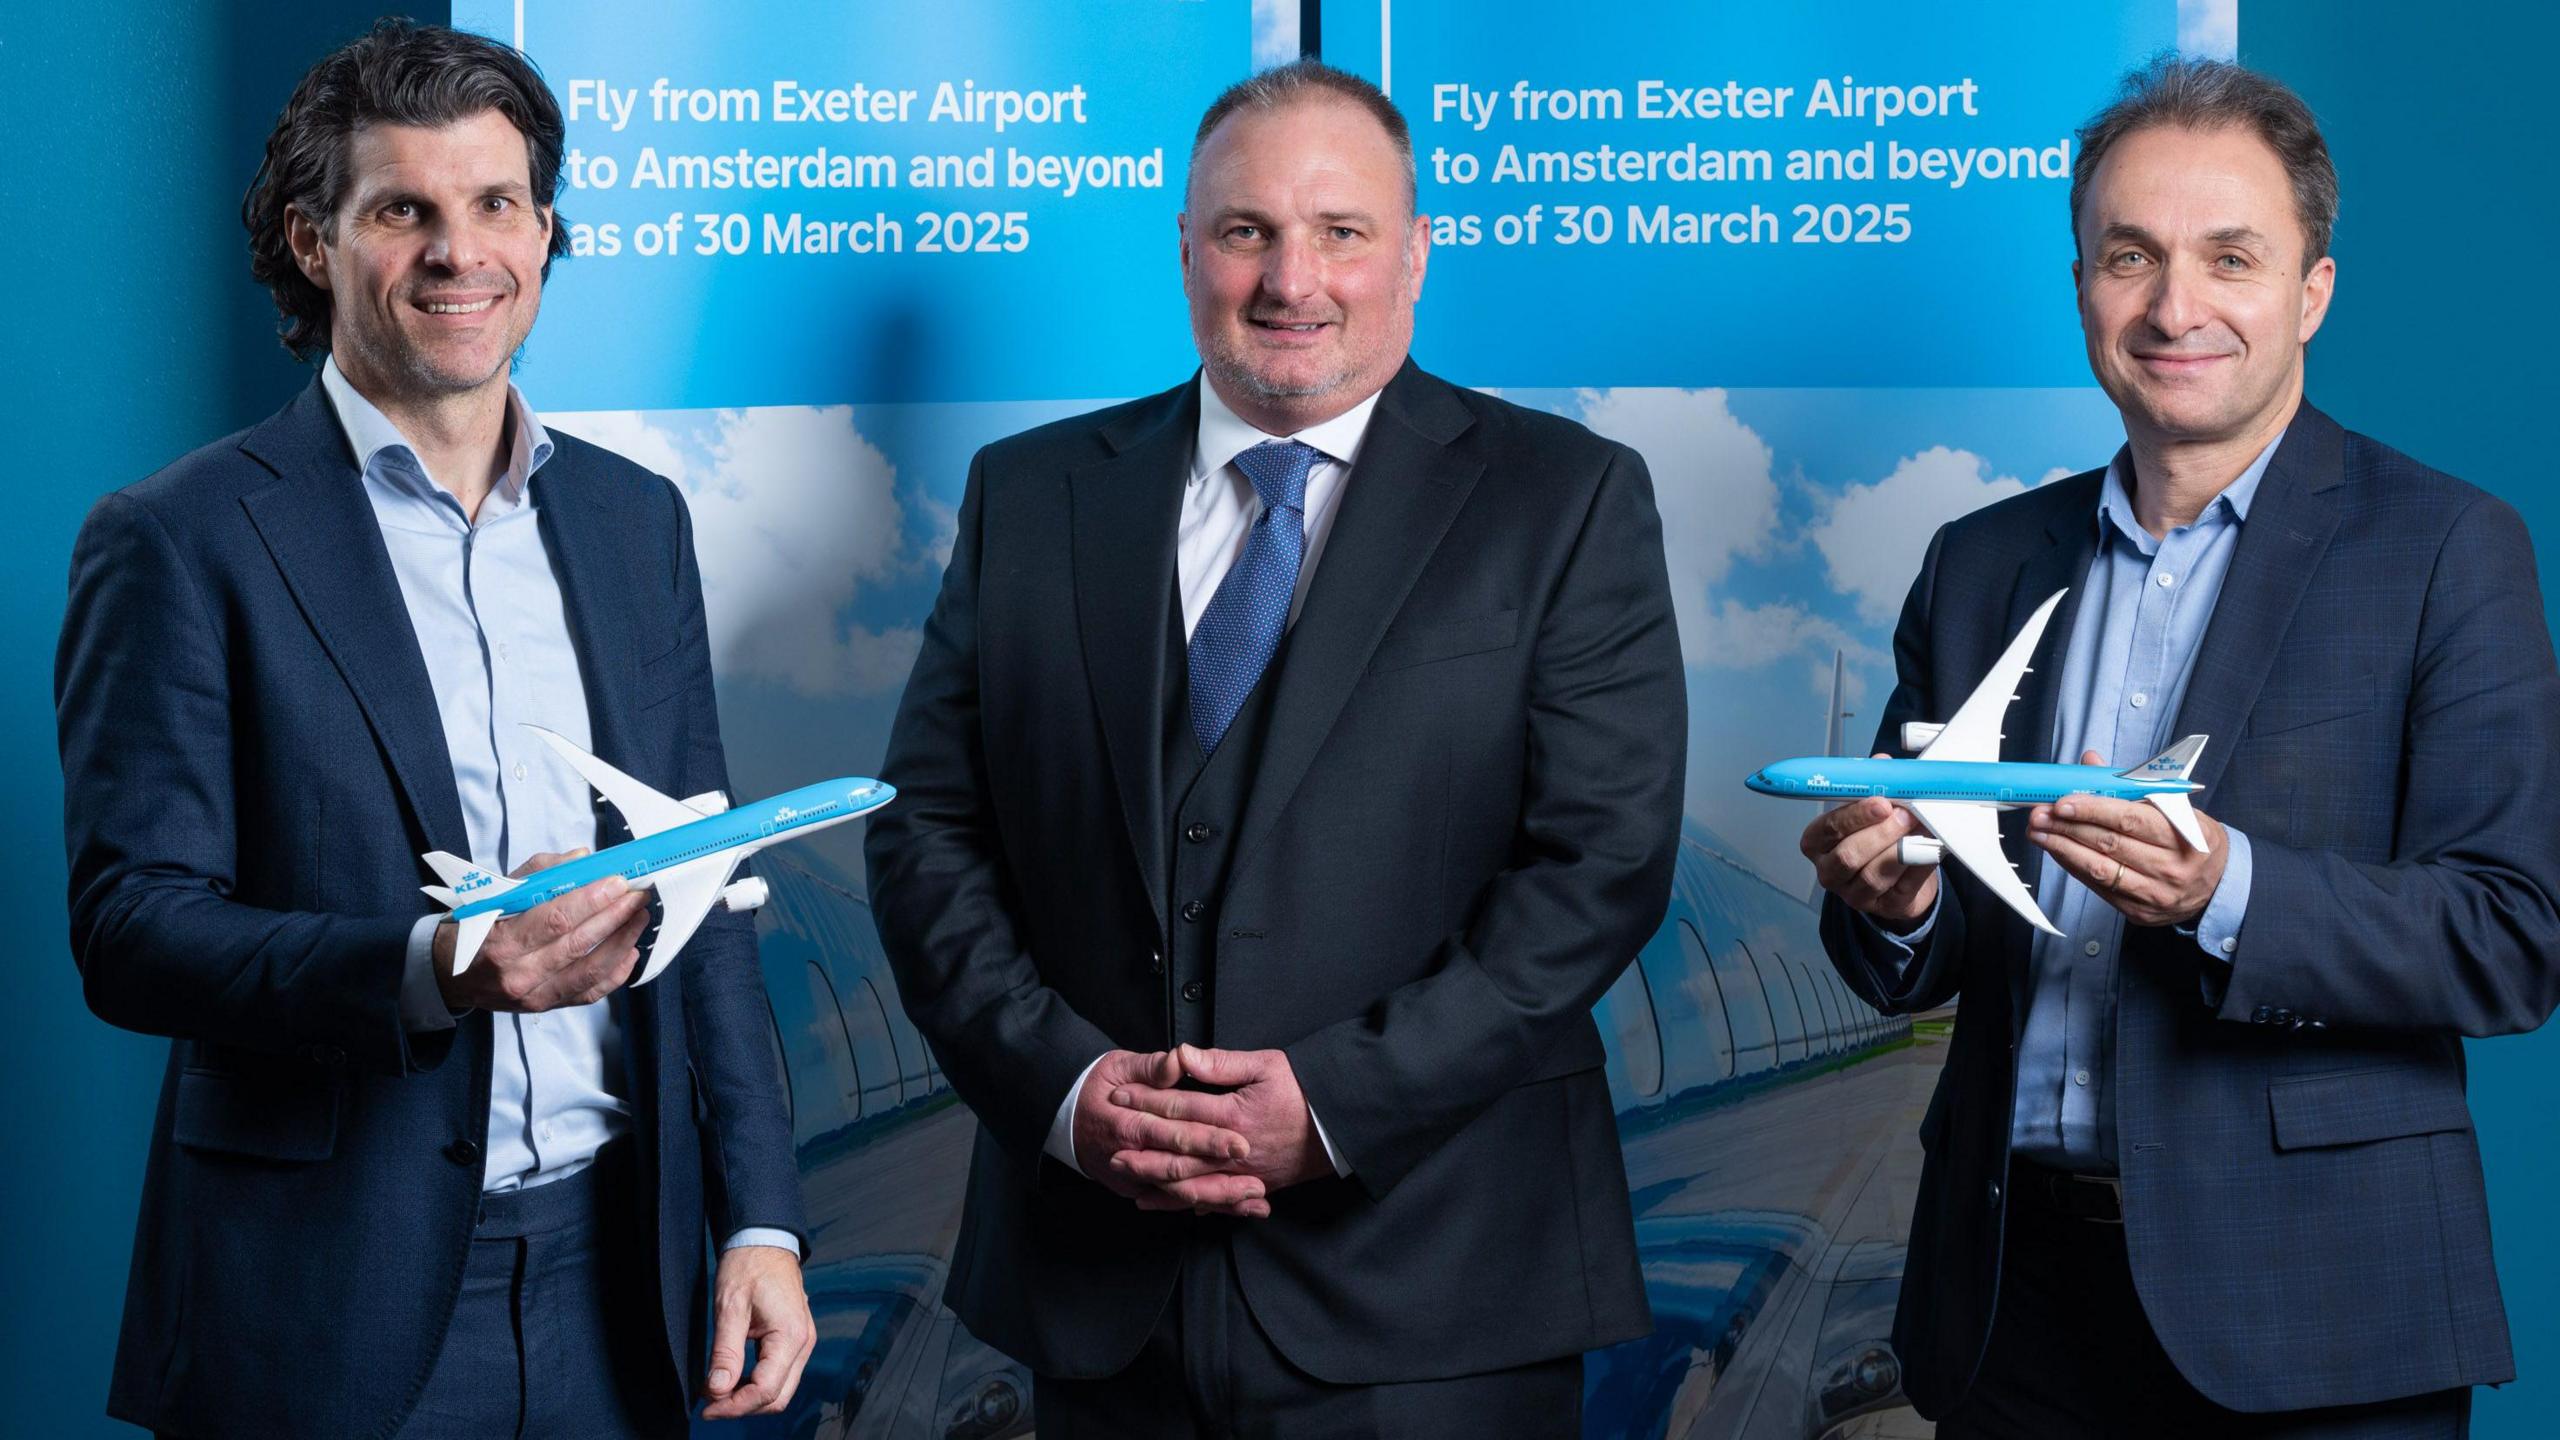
x=1958 y=780
x=685 y=849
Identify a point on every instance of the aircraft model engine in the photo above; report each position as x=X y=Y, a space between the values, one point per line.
x=751 y=892
x=1919 y=850
x=1918 y=734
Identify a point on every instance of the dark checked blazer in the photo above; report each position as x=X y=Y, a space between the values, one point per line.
x=2302 y=1192
x=252 y=764
x=1460 y=826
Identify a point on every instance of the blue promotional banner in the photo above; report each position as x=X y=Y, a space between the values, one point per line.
x=1863 y=193
x=895 y=201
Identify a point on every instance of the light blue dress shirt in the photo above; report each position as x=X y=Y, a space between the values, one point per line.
x=2142 y=618
x=491 y=627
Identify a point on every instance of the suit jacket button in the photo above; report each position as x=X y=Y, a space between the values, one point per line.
x=1155 y=962
x=1199 y=833
x=1193 y=990
x=1193 y=910
x=2263 y=1014
x=463 y=1152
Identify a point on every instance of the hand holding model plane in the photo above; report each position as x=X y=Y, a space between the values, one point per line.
x=2125 y=850
x=568 y=951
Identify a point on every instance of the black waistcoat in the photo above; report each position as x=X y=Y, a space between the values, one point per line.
x=1205 y=800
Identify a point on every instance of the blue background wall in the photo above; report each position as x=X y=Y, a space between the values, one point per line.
x=137 y=335
x=2439 y=343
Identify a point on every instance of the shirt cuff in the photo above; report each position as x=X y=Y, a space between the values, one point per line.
x=1907 y=945
x=422 y=1007
x=2218 y=928
x=763 y=1235
x=1061 y=1144
x=1331 y=1155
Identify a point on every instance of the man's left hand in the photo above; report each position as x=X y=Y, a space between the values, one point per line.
x=757 y=1297
x=2126 y=851
x=1258 y=1097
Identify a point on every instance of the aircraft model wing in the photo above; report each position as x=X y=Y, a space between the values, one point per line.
x=645 y=810
x=685 y=895
x=1971 y=834
x=1974 y=731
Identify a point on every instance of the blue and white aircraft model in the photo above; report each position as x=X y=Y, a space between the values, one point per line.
x=1958 y=780
x=684 y=849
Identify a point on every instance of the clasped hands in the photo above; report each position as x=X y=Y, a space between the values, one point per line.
x=1222 y=1150
x=2124 y=850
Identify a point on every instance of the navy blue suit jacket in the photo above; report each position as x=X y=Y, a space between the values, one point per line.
x=252 y=764
x=2303 y=1197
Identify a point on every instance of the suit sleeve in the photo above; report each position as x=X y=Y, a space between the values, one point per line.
x=752 y=1177
x=941 y=886
x=1598 y=831
x=1926 y=973
x=2460 y=931
x=144 y=711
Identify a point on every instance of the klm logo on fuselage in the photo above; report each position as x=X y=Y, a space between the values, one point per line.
x=785 y=815
x=1820 y=781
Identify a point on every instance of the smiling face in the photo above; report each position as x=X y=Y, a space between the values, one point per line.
x=1302 y=259
x=434 y=267
x=2195 y=299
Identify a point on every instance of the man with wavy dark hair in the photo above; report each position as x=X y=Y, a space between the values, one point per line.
x=385 y=1197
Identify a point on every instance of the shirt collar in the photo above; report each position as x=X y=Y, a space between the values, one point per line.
x=1224 y=434
x=2115 y=496
x=370 y=434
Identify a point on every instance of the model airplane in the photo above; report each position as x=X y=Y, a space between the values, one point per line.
x=1958 y=780
x=685 y=849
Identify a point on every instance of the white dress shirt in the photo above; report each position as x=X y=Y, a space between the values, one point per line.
x=493 y=630
x=1219 y=506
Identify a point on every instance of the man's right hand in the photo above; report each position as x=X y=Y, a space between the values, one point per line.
x=1103 y=1130
x=569 y=951
x=1855 y=856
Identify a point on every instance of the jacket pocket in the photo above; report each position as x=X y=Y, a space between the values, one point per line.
x=1405 y=647
x=2303 y=706
x=2351 y=1107
x=273 y=1117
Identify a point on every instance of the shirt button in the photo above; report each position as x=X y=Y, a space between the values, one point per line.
x=2140 y=699
x=2230 y=943
x=1193 y=910
x=544 y=1132
x=518 y=772
x=1193 y=991
x=2079 y=1077
x=2167 y=579
x=2092 y=948
x=502 y=650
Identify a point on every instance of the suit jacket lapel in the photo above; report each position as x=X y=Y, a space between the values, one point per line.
x=1409 y=484
x=583 y=539
x=2290 y=524
x=2062 y=562
x=1124 y=513
x=324 y=539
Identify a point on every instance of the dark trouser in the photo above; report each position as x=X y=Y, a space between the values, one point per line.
x=1209 y=1372
x=557 y=1333
x=2072 y=1354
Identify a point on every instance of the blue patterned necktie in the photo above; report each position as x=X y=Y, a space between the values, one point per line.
x=1241 y=628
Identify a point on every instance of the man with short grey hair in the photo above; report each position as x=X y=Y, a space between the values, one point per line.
x=1292 y=760
x=2200 y=1162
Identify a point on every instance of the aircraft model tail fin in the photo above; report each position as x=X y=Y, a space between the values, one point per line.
x=2171 y=764
x=442 y=896
x=468 y=881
